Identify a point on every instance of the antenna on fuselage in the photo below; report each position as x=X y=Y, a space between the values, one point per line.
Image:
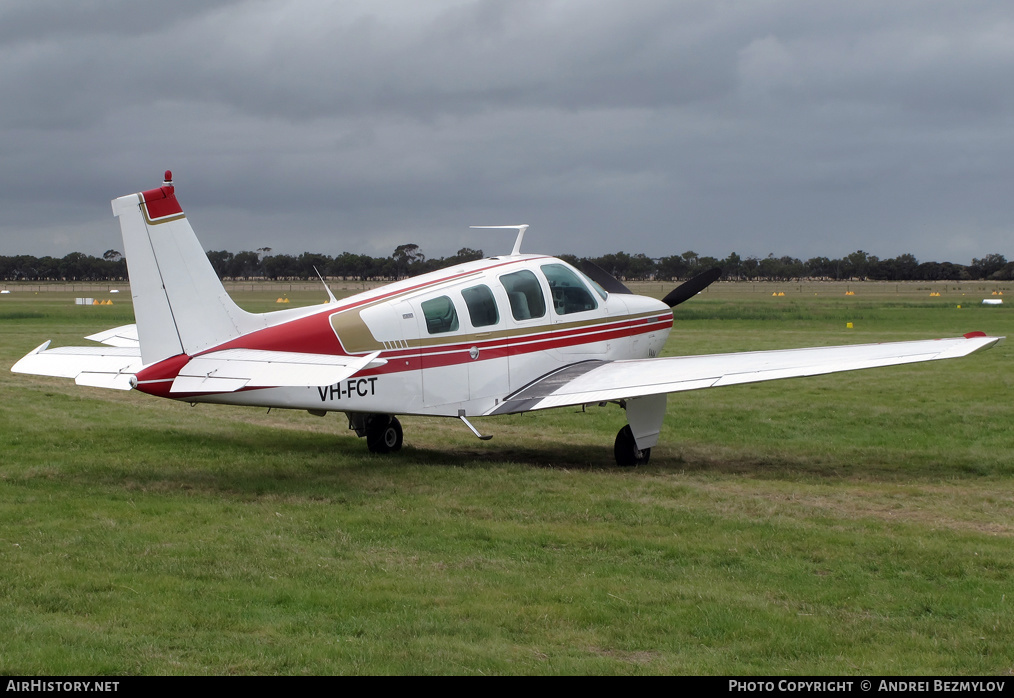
x=521 y=234
x=326 y=287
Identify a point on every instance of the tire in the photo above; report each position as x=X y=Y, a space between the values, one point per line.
x=626 y=451
x=383 y=434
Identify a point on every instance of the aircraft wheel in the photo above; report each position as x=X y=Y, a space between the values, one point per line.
x=626 y=451
x=383 y=434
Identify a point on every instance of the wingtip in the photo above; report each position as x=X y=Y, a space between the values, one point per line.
x=984 y=342
x=19 y=366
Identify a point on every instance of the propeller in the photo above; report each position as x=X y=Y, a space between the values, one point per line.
x=689 y=289
x=603 y=278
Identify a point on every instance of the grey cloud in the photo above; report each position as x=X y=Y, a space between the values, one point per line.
x=787 y=126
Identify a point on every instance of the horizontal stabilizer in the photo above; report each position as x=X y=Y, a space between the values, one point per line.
x=123 y=336
x=103 y=367
x=603 y=381
x=233 y=369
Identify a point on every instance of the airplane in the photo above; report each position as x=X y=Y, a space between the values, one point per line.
x=507 y=334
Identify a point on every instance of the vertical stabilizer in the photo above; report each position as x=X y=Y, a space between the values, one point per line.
x=180 y=304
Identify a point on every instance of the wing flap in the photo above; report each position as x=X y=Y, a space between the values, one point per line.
x=233 y=369
x=597 y=381
x=103 y=367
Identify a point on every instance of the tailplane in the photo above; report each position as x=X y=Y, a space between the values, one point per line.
x=180 y=304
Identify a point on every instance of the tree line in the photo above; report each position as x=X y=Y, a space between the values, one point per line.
x=409 y=260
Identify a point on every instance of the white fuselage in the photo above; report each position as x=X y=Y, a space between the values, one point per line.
x=458 y=341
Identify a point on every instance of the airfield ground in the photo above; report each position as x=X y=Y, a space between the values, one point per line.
x=848 y=524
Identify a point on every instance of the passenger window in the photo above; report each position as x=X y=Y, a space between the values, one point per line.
x=569 y=294
x=440 y=315
x=524 y=294
x=481 y=306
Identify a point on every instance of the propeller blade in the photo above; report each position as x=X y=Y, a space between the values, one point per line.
x=689 y=289
x=603 y=278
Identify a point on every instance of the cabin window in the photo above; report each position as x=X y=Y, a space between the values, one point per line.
x=525 y=295
x=481 y=306
x=440 y=315
x=569 y=294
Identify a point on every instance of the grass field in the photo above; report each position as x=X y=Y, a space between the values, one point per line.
x=849 y=524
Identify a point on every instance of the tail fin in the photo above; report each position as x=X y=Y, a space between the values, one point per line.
x=179 y=303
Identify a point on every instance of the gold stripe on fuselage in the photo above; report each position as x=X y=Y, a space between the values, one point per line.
x=357 y=338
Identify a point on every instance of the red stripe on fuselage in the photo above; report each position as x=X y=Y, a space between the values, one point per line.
x=157 y=379
x=315 y=335
x=312 y=335
x=400 y=360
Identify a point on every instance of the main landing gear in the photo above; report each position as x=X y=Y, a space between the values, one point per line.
x=626 y=451
x=382 y=431
x=384 y=435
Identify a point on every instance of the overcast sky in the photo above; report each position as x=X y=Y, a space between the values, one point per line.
x=791 y=127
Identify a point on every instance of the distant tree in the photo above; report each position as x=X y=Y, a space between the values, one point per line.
x=1005 y=273
x=244 y=265
x=404 y=256
x=987 y=266
x=306 y=263
x=819 y=268
x=732 y=267
x=672 y=267
x=858 y=264
x=280 y=266
x=640 y=267
x=77 y=266
x=705 y=263
x=903 y=267
x=770 y=268
x=220 y=261
x=465 y=254
x=617 y=264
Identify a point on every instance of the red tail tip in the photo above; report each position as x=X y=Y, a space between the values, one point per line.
x=168 y=176
x=971 y=335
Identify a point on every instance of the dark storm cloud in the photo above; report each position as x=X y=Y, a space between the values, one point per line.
x=789 y=127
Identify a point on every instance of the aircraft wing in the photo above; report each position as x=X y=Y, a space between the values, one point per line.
x=602 y=381
x=99 y=367
x=232 y=369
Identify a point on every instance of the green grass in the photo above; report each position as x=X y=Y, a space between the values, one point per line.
x=852 y=524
